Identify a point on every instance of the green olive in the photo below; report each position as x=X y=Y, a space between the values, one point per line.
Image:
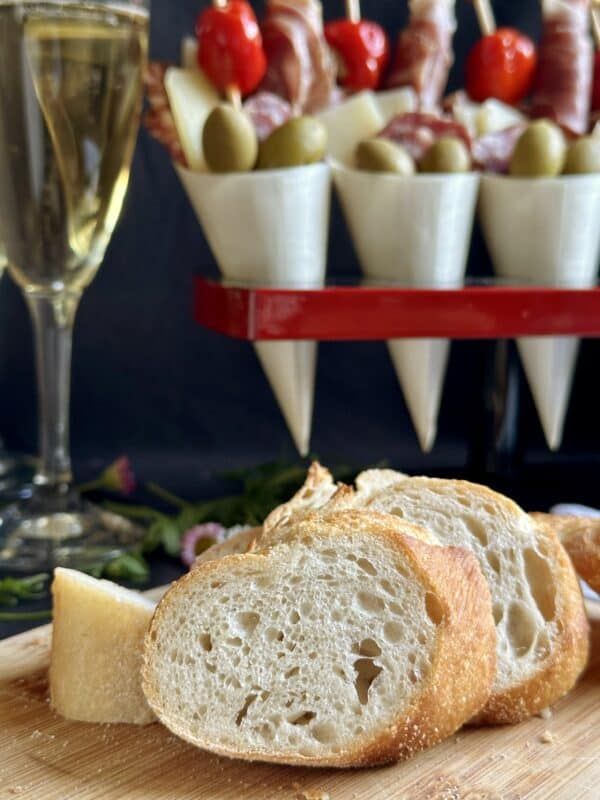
x=299 y=141
x=583 y=156
x=382 y=155
x=540 y=151
x=229 y=140
x=447 y=154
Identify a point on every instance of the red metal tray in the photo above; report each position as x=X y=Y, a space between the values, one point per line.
x=368 y=313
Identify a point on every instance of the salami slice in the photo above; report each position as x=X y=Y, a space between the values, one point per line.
x=417 y=131
x=493 y=151
x=267 y=111
x=158 y=120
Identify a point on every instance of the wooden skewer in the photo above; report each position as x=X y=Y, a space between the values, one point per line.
x=353 y=10
x=595 y=12
x=232 y=93
x=485 y=16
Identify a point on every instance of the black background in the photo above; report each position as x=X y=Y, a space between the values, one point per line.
x=185 y=403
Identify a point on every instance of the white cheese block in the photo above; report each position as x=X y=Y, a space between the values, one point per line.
x=189 y=52
x=349 y=123
x=97 y=644
x=496 y=116
x=396 y=101
x=192 y=97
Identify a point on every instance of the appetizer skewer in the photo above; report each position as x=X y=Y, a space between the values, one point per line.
x=255 y=183
x=542 y=224
x=415 y=229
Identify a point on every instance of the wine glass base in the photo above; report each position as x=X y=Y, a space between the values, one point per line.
x=43 y=532
x=16 y=475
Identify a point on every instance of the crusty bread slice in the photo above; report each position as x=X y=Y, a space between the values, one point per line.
x=97 y=643
x=539 y=612
x=318 y=488
x=580 y=537
x=355 y=644
x=238 y=544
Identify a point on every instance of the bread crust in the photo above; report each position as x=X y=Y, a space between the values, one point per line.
x=318 y=480
x=463 y=664
x=580 y=536
x=559 y=672
x=239 y=543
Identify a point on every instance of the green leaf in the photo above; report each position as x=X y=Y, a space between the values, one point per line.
x=128 y=567
x=13 y=589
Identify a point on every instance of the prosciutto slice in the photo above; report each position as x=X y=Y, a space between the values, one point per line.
x=417 y=131
x=565 y=65
x=158 y=119
x=300 y=67
x=424 y=51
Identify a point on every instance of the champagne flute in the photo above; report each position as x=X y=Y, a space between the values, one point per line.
x=70 y=100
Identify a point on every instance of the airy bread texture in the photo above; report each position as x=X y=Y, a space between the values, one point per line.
x=97 y=643
x=543 y=634
x=580 y=536
x=353 y=644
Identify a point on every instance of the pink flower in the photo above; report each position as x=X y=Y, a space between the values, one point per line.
x=119 y=477
x=198 y=539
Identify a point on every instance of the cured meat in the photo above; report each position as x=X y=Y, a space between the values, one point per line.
x=158 y=120
x=300 y=67
x=563 y=82
x=493 y=151
x=417 y=131
x=424 y=51
x=267 y=111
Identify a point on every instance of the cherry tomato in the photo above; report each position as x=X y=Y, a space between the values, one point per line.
x=363 y=51
x=230 y=47
x=501 y=65
x=596 y=90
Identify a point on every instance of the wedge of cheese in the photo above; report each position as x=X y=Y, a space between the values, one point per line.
x=97 y=642
x=192 y=97
x=392 y=102
x=349 y=123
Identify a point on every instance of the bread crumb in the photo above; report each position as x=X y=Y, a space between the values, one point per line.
x=313 y=795
x=547 y=737
x=545 y=713
x=15 y=789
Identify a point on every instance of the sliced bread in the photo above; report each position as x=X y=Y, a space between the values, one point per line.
x=353 y=644
x=580 y=537
x=96 y=656
x=239 y=543
x=538 y=609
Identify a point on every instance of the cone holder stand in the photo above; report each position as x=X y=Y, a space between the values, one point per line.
x=353 y=312
x=375 y=312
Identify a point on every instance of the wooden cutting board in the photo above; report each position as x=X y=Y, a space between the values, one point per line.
x=43 y=757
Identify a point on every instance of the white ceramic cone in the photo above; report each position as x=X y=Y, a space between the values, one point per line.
x=270 y=228
x=545 y=231
x=413 y=231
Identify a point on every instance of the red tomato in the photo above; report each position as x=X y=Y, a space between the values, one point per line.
x=596 y=90
x=362 y=49
x=501 y=65
x=230 y=47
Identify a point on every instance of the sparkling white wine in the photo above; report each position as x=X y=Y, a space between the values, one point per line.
x=70 y=98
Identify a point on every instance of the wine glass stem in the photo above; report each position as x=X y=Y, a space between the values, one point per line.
x=53 y=317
